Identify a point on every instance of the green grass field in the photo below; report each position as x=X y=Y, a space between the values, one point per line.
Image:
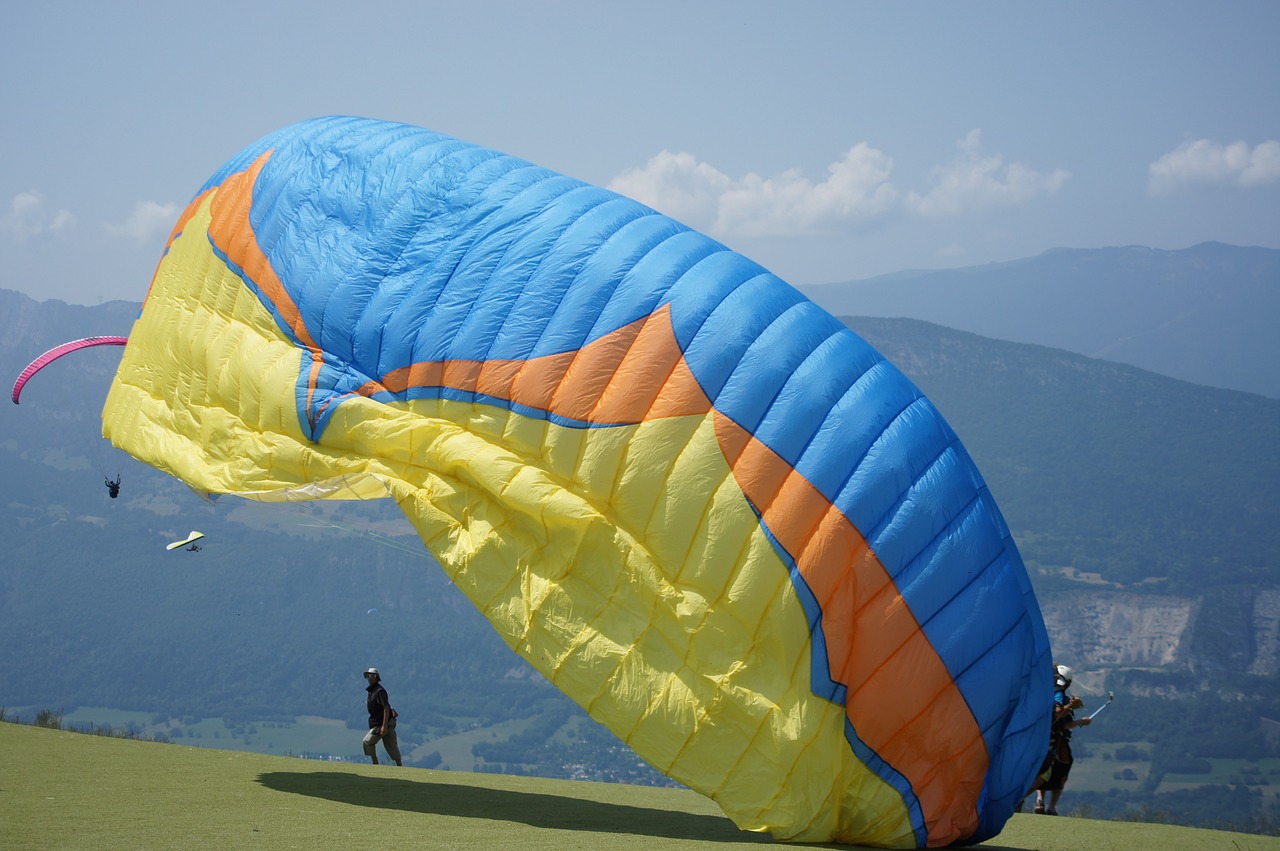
x=315 y=736
x=306 y=735
x=62 y=790
x=1097 y=773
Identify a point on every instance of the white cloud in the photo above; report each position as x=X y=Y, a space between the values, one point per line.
x=1208 y=163
x=29 y=217
x=975 y=181
x=856 y=188
x=148 y=219
x=677 y=185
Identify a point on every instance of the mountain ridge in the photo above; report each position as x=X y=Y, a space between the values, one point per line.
x=1206 y=314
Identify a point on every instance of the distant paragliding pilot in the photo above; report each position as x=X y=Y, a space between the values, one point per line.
x=1057 y=764
x=113 y=486
x=382 y=720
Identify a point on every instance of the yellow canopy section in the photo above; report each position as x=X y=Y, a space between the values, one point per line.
x=622 y=563
x=699 y=504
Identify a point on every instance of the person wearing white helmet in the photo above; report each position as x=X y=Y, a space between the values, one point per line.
x=382 y=719
x=1064 y=721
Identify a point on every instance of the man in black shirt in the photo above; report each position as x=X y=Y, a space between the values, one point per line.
x=382 y=720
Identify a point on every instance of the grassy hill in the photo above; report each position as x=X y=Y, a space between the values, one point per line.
x=69 y=790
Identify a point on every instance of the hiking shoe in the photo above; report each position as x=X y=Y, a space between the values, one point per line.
x=1051 y=812
x=1040 y=809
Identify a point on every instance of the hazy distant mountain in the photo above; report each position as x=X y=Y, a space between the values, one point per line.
x=276 y=616
x=38 y=325
x=1151 y=503
x=1208 y=314
x=1102 y=466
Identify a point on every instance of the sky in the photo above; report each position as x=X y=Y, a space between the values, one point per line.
x=828 y=141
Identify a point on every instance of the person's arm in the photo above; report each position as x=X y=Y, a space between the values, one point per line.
x=386 y=714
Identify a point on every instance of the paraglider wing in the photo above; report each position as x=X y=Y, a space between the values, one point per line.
x=57 y=352
x=189 y=540
x=697 y=503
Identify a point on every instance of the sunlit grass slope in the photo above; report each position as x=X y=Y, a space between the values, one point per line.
x=70 y=790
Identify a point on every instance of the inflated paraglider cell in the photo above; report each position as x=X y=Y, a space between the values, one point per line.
x=693 y=500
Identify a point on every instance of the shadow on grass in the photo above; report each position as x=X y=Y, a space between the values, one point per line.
x=531 y=808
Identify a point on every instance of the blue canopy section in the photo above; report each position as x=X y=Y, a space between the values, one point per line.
x=402 y=246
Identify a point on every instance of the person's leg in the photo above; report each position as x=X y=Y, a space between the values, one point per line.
x=392 y=744
x=1052 y=790
x=1042 y=777
x=371 y=745
x=1057 y=783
